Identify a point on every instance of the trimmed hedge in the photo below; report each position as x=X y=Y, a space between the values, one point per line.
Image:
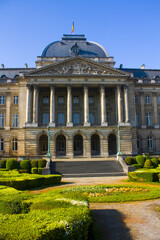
x=148 y=163
x=140 y=160
x=143 y=176
x=136 y=166
x=26 y=164
x=3 y=163
x=40 y=171
x=34 y=170
x=130 y=160
x=42 y=163
x=11 y=164
x=155 y=162
x=34 y=164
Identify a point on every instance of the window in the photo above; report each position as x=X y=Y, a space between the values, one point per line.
x=2 y=120
x=14 y=144
x=150 y=142
x=2 y=99
x=45 y=99
x=137 y=119
x=138 y=143
x=91 y=99
x=158 y=99
x=135 y=99
x=45 y=118
x=1 y=144
x=15 y=120
x=76 y=117
x=107 y=100
x=15 y=99
x=91 y=118
x=61 y=119
x=75 y=99
x=60 y=99
x=148 y=119
x=107 y=117
x=147 y=99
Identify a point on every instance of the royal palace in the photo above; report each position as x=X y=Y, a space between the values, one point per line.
x=91 y=107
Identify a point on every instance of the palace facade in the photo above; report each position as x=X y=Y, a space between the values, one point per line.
x=76 y=90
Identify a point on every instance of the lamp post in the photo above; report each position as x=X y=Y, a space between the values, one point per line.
x=119 y=144
x=48 y=153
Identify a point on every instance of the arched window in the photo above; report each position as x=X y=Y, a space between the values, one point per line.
x=14 y=144
x=3 y=77
x=150 y=142
x=1 y=144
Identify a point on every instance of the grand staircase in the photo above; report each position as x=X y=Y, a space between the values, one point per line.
x=94 y=167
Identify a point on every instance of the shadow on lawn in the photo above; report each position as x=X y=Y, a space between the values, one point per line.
x=108 y=224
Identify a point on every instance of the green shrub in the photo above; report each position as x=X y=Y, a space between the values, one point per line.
x=34 y=164
x=136 y=166
x=154 y=162
x=2 y=163
x=148 y=163
x=40 y=171
x=22 y=171
x=130 y=160
x=42 y=163
x=11 y=164
x=34 y=170
x=143 y=176
x=26 y=164
x=147 y=156
x=140 y=160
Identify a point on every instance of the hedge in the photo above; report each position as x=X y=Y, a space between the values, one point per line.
x=140 y=160
x=26 y=164
x=130 y=160
x=145 y=176
x=2 y=163
x=42 y=163
x=34 y=164
x=136 y=166
x=34 y=170
x=11 y=164
x=155 y=162
x=148 y=164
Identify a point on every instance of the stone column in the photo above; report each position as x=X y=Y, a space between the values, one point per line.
x=69 y=107
x=52 y=106
x=103 y=107
x=143 y=125
x=126 y=104
x=119 y=103
x=28 y=108
x=35 y=106
x=156 y=124
x=86 y=107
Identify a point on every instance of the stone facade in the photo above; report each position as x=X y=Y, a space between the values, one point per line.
x=84 y=100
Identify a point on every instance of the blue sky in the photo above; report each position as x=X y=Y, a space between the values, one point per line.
x=128 y=30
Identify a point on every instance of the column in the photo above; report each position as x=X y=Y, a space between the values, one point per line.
x=156 y=125
x=126 y=104
x=28 y=107
x=119 y=102
x=143 y=125
x=69 y=107
x=52 y=106
x=86 y=107
x=103 y=107
x=35 y=106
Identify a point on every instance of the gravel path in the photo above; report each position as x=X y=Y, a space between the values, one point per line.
x=127 y=221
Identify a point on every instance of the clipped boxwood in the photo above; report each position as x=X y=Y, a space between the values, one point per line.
x=136 y=166
x=22 y=171
x=34 y=170
x=42 y=163
x=2 y=163
x=130 y=160
x=11 y=164
x=40 y=171
x=143 y=176
x=34 y=164
x=148 y=163
x=140 y=160
x=26 y=165
x=155 y=162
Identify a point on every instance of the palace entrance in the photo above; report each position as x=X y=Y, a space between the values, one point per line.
x=78 y=145
x=95 y=145
x=112 y=144
x=61 y=145
x=43 y=145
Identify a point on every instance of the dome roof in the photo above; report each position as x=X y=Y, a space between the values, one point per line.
x=74 y=45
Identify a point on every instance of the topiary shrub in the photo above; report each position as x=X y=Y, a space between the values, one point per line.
x=11 y=164
x=34 y=164
x=155 y=162
x=34 y=170
x=143 y=176
x=148 y=163
x=136 y=166
x=26 y=164
x=42 y=163
x=140 y=160
x=130 y=160
x=22 y=170
x=2 y=163
x=40 y=171
x=147 y=156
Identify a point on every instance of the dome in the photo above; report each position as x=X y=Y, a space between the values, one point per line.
x=74 y=45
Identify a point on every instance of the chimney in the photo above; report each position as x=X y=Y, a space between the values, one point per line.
x=26 y=65
x=143 y=66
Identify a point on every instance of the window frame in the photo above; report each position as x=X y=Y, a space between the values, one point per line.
x=2 y=119
x=149 y=119
x=15 y=99
x=14 y=144
x=15 y=120
x=2 y=100
x=147 y=99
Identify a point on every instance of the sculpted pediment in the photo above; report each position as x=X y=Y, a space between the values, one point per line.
x=76 y=66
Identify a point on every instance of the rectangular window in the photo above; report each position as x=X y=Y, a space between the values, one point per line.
x=2 y=120
x=147 y=99
x=150 y=142
x=1 y=144
x=107 y=117
x=15 y=120
x=45 y=118
x=91 y=99
x=60 y=99
x=135 y=99
x=91 y=118
x=137 y=119
x=45 y=99
x=61 y=119
x=2 y=99
x=148 y=119
x=15 y=99
x=75 y=99
x=76 y=117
